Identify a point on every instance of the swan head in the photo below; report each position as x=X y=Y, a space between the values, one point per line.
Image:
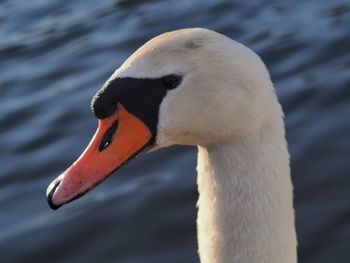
x=188 y=87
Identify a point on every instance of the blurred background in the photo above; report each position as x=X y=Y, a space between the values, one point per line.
x=54 y=56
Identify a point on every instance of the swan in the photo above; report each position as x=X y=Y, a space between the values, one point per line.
x=198 y=87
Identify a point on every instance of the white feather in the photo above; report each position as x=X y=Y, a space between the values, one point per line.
x=226 y=105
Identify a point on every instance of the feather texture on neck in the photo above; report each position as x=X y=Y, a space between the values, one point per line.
x=245 y=205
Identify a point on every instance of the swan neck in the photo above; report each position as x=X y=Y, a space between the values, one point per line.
x=245 y=206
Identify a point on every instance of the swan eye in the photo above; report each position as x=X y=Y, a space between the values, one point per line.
x=108 y=136
x=171 y=81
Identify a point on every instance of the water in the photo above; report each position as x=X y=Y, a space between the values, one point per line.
x=54 y=55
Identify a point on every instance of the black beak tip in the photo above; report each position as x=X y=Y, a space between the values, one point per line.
x=49 y=194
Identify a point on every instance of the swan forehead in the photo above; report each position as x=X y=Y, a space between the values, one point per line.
x=171 y=52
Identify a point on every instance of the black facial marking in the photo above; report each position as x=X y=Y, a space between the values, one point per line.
x=140 y=97
x=108 y=136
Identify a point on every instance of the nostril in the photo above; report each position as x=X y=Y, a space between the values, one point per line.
x=50 y=192
x=108 y=136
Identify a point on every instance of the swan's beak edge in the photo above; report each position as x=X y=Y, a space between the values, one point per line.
x=118 y=139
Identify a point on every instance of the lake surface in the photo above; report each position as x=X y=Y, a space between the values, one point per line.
x=54 y=56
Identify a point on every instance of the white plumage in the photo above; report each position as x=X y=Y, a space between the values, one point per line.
x=226 y=105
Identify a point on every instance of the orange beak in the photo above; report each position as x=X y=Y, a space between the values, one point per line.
x=118 y=139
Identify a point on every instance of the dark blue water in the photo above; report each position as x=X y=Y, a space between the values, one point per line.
x=54 y=55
